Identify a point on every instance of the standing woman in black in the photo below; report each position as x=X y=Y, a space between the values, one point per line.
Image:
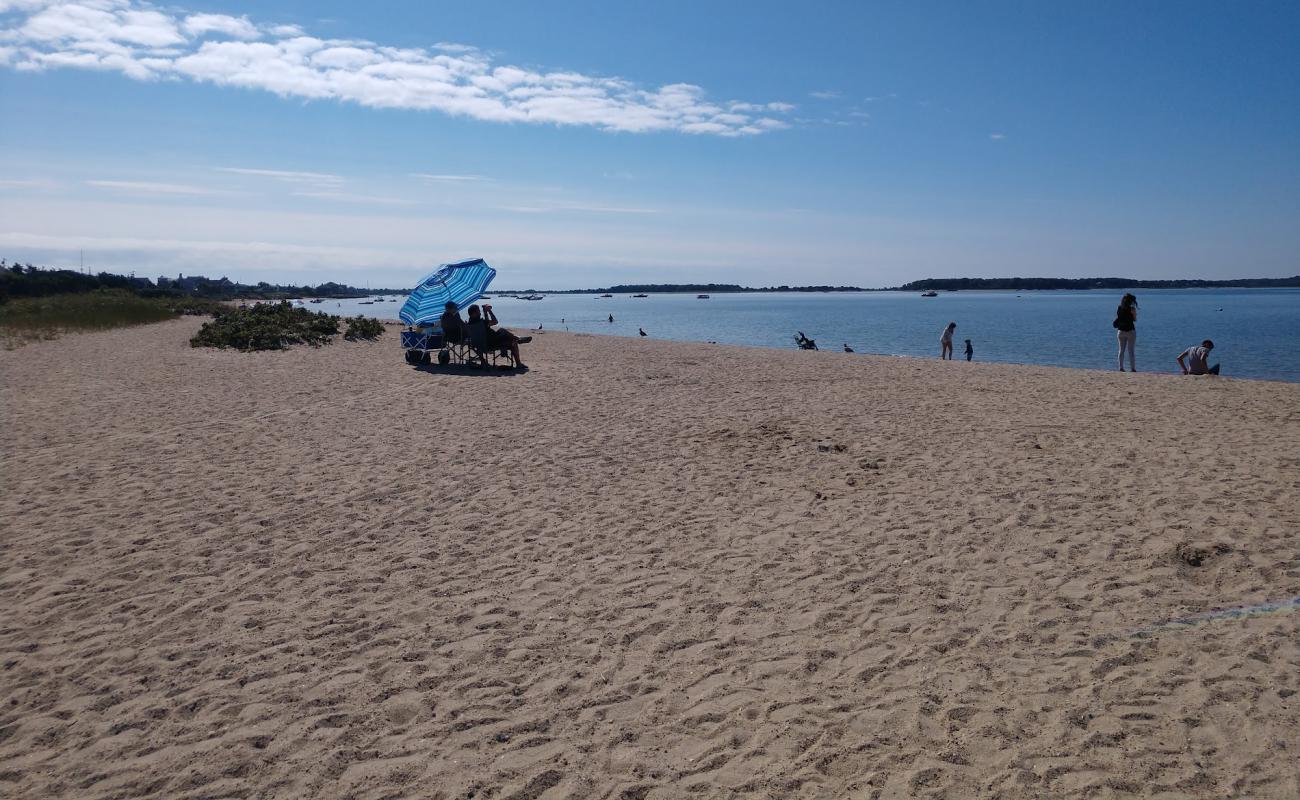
x=1126 y=330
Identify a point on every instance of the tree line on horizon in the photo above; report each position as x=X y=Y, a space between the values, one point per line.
x=25 y=280
x=953 y=284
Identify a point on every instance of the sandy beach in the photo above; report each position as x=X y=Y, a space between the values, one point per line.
x=642 y=569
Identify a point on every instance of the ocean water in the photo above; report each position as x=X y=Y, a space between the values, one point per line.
x=1256 y=331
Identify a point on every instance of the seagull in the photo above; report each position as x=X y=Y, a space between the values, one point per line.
x=847 y=349
x=642 y=331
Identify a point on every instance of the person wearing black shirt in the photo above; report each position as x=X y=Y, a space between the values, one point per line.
x=1126 y=330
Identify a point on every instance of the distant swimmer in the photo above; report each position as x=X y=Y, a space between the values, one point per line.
x=611 y=317
x=642 y=331
x=847 y=349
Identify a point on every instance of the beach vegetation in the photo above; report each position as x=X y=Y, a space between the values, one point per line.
x=266 y=326
x=27 y=319
x=363 y=328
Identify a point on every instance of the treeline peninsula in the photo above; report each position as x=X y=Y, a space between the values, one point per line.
x=931 y=284
x=24 y=280
x=1016 y=284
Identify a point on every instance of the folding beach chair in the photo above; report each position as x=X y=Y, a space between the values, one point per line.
x=478 y=343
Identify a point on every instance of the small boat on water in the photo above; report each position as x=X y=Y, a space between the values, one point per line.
x=640 y=295
x=533 y=297
x=317 y=300
x=607 y=295
x=366 y=303
x=701 y=297
x=929 y=294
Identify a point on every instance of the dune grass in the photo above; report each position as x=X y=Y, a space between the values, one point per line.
x=25 y=320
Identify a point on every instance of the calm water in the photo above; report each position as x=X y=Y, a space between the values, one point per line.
x=1256 y=331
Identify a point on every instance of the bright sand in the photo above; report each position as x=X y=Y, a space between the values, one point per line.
x=643 y=569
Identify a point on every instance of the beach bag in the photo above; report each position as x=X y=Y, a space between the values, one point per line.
x=1115 y=324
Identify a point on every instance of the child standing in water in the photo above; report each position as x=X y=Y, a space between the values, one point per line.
x=970 y=351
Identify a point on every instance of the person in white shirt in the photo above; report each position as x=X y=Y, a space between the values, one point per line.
x=1198 y=360
x=945 y=341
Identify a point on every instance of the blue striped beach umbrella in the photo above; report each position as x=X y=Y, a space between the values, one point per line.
x=461 y=284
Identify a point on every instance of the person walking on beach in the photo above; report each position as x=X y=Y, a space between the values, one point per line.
x=970 y=351
x=945 y=341
x=1126 y=330
x=1198 y=360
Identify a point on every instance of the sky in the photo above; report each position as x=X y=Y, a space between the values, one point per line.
x=583 y=144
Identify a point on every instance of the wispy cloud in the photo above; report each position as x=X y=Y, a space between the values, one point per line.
x=287 y=176
x=145 y=187
x=825 y=94
x=997 y=137
x=147 y=42
x=586 y=209
x=348 y=197
x=24 y=183
x=424 y=176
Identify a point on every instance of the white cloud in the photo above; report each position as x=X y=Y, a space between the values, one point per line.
x=997 y=137
x=238 y=27
x=143 y=42
x=144 y=187
x=825 y=94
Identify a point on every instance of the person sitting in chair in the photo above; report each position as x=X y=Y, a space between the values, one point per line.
x=499 y=339
x=453 y=327
x=804 y=342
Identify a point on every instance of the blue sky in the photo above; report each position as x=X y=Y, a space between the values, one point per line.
x=584 y=143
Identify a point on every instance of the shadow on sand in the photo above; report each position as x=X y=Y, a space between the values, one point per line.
x=470 y=370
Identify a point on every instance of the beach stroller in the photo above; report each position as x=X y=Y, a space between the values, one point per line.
x=420 y=345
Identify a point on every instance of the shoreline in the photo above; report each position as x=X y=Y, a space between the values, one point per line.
x=641 y=568
x=1169 y=374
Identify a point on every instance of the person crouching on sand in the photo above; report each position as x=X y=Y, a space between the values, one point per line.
x=945 y=341
x=1198 y=358
x=970 y=351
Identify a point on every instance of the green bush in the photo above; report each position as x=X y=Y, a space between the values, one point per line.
x=363 y=328
x=268 y=326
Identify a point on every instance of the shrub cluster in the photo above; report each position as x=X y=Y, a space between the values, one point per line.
x=268 y=326
x=363 y=328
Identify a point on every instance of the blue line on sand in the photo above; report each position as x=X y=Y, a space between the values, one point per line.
x=1227 y=613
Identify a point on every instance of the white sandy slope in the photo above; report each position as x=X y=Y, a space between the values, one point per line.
x=641 y=570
